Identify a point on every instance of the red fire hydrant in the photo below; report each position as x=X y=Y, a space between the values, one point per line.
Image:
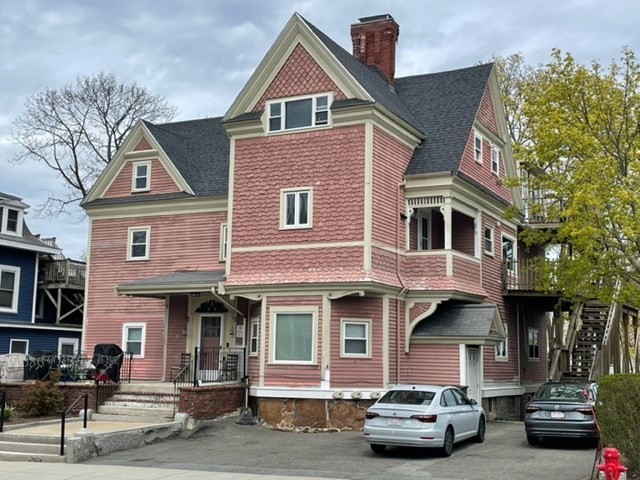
x=611 y=469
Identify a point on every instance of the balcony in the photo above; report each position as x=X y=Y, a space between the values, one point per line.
x=63 y=273
x=529 y=277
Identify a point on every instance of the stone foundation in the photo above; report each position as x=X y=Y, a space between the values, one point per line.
x=294 y=414
x=504 y=408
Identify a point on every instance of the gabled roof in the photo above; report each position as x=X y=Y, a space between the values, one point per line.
x=373 y=82
x=472 y=323
x=199 y=149
x=445 y=105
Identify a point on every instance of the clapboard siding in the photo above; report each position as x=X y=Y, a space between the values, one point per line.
x=433 y=364
x=26 y=262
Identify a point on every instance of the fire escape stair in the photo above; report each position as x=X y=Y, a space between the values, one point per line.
x=589 y=339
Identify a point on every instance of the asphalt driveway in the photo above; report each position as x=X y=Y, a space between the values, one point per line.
x=226 y=447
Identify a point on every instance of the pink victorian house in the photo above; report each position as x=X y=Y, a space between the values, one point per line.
x=339 y=231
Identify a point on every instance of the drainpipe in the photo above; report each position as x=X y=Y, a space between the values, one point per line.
x=518 y=340
x=401 y=185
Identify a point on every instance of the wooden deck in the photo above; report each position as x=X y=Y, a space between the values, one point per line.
x=63 y=273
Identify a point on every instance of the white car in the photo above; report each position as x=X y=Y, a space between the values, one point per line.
x=423 y=416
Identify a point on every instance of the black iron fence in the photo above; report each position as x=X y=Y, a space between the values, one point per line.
x=77 y=367
x=210 y=365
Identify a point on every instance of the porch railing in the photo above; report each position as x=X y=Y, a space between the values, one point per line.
x=77 y=367
x=210 y=365
x=528 y=275
x=67 y=272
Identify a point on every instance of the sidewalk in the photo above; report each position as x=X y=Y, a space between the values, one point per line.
x=66 y=471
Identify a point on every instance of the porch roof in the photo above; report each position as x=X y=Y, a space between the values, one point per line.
x=181 y=281
x=474 y=324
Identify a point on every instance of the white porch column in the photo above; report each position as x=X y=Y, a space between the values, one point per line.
x=446 y=213
x=478 y=234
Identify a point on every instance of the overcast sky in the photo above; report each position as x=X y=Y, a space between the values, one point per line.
x=199 y=53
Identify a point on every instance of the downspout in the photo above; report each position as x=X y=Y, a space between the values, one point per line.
x=518 y=340
x=401 y=185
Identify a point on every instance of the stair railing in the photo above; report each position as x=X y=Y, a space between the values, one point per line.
x=567 y=344
x=612 y=314
x=597 y=365
x=64 y=418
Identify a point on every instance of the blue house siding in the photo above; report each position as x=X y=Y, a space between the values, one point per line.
x=26 y=261
x=39 y=340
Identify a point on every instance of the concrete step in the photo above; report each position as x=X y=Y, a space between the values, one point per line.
x=6 y=446
x=31 y=457
x=133 y=418
x=15 y=436
x=146 y=387
x=138 y=404
x=136 y=411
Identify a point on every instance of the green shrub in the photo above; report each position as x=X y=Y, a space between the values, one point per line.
x=8 y=412
x=44 y=397
x=619 y=415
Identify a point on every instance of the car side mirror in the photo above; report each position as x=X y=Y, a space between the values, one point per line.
x=472 y=401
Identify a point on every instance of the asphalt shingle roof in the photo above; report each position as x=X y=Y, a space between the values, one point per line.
x=205 y=277
x=199 y=149
x=459 y=321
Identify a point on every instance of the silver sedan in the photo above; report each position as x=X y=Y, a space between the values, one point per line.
x=423 y=416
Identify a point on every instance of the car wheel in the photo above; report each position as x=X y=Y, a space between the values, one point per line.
x=447 y=446
x=533 y=440
x=482 y=429
x=378 y=448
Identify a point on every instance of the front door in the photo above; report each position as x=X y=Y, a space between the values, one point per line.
x=473 y=373
x=209 y=347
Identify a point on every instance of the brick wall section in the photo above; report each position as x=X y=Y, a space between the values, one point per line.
x=300 y=75
x=205 y=403
x=18 y=393
x=161 y=181
x=107 y=312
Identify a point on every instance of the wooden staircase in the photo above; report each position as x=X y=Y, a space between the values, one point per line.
x=589 y=340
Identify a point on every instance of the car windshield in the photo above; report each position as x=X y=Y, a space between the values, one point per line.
x=573 y=393
x=408 y=397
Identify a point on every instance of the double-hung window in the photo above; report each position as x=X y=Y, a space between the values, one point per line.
x=534 y=346
x=508 y=255
x=356 y=335
x=10 y=221
x=495 y=159
x=141 y=177
x=19 y=346
x=133 y=337
x=254 y=334
x=294 y=336
x=477 y=147
x=296 y=208
x=502 y=349
x=9 y=288
x=488 y=240
x=299 y=113
x=138 y=245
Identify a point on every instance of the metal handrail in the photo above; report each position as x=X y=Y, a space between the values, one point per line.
x=176 y=388
x=64 y=418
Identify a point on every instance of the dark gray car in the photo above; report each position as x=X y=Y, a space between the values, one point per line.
x=562 y=410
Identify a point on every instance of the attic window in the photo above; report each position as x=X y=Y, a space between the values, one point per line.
x=477 y=150
x=141 y=181
x=299 y=112
x=10 y=221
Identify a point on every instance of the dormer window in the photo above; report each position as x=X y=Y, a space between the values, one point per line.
x=141 y=181
x=299 y=113
x=10 y=221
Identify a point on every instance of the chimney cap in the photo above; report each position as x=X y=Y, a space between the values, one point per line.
x=376 y=18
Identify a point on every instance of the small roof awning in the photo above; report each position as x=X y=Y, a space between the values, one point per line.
x=473 y=324
x=172 y=283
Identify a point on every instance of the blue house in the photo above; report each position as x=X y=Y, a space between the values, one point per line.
x=41 y=291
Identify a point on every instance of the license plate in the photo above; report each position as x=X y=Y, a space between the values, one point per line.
x=557 y=414
x=394 y=421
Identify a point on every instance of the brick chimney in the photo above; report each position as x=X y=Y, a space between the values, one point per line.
x=374 y=43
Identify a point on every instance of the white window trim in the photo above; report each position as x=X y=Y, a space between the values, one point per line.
x=537 y=335
x=495 y=150
x=303 y=310
x=130 y=243
x=424 y=214
x=283 y=119
x=515 y=253
x=254 y=321
x=134 y=176
x=125 y=329
x=224 y=241
x=5 y=221
x=343 y=326
x=505 y=357
x=18 y=340
x=74 y=341
x=477 y=136
x=16 y=288
x=283 y=208
x=484 y=240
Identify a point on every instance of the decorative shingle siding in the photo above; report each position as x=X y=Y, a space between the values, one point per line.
x=384 y=266
x=356 y=372
x=300 y=75
x=143 y=144
x=433 y=364
x=294 y=375
x=26 y=261
x=486 y=115
x=161 y=182
x=177 y=242
x=417 y=310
